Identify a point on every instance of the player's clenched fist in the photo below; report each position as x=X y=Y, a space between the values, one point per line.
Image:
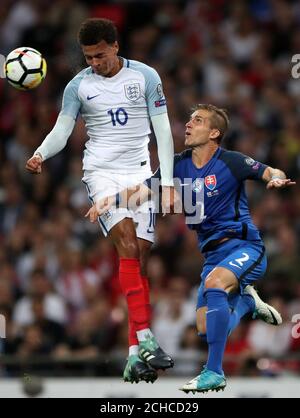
x=34 y=164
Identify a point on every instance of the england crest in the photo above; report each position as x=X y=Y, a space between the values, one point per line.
x=210 y=182
x=132 y=91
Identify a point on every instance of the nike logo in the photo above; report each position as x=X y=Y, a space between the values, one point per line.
x=92 y=97
x=212 y=310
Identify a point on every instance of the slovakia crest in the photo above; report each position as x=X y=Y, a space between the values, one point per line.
x=210 y=182
x=132 y=91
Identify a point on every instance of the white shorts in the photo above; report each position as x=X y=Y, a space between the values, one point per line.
x=102 y=183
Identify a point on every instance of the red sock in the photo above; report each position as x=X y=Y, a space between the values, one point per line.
x=132 y=338
x=133 y=289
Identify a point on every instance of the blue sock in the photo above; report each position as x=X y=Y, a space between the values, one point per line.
x=217 y=322
x=245 y=304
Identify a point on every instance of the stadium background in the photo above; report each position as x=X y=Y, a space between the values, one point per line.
x=59 y=289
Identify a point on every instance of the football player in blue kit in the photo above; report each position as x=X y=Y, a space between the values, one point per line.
x=231 y=244
x=229 y=241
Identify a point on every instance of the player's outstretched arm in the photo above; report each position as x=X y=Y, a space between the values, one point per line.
x=276 y=178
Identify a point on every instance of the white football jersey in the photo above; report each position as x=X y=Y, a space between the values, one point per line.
x=116 y=111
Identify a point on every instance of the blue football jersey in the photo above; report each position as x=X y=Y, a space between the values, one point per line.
x=220 y=183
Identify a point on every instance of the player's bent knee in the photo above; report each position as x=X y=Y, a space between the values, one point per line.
x=127 y=246
x=214 y=282
x=130 y=250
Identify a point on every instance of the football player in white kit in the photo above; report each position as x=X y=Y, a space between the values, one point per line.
x=118 y=98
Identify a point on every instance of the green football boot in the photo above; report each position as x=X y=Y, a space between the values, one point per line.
x=151 y=353
x=136 y=370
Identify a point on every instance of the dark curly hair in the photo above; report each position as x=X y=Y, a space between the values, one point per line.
x=94 y=30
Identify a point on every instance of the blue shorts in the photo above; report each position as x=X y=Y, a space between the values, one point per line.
x=246 y=259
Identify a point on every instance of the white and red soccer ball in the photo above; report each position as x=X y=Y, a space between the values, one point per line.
x=25 y=68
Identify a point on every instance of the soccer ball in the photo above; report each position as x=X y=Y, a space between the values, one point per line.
x=25 y=68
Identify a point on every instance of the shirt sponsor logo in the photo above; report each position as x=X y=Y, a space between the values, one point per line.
x=132 y=91
x=210 y=182
x=161 y=102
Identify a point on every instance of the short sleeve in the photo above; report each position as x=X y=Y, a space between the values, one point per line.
x=242 y=166
x=155 y=97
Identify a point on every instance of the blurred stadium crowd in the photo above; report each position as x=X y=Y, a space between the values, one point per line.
x=59 y=288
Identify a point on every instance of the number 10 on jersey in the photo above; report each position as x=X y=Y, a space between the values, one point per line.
x=119 y=116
